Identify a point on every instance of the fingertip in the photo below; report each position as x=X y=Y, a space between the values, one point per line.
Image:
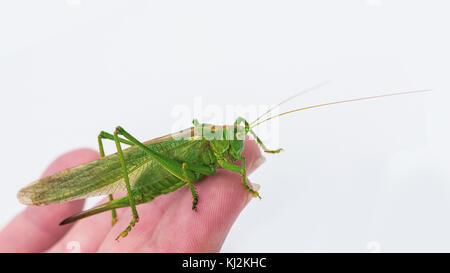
x=222 y=197
x=252 y=154
x=36 y=228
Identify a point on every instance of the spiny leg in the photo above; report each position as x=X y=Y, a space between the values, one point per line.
x=105 y=135
x=240 y=120
x=169 y=164
x=244 y=178
x=239 y=169
x=183 y=171
x=195 y=122
x=102 y=154
x=127 y=184
x=191 y=187
x=262 y=144
x=198 y=168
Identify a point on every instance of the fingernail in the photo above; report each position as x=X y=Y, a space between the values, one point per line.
x=258 y=162
x=255 y=186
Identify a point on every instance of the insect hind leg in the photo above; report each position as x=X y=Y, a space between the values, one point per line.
x=101 y=136
x=131 y=200
x=183 y=171
x=105 y=135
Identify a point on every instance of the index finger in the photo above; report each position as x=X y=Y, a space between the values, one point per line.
x=36 y=228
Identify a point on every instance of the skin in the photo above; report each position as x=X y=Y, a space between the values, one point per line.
x=166 y=224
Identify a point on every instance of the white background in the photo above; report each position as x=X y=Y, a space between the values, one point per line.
x=366 y=176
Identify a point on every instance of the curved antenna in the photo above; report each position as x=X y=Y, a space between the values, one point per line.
x=292 y=97
x=341 y=101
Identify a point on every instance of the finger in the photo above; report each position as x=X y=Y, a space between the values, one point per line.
x=89 y=233
x=37 y=228
x=204 y=230
x=178 y=228
x=252 y=155
x=85 y=235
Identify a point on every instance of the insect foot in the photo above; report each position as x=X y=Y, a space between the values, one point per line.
x=274 y=151
x=194 y=204
x=255 y=194
x=128 y=229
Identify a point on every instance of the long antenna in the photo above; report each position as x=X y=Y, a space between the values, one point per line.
x=341 y=101
x=292 y=97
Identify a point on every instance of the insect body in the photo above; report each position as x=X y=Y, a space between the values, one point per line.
x=148 y=169
x=145 y=170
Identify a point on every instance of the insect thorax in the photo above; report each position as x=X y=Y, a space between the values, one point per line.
x=225 y=141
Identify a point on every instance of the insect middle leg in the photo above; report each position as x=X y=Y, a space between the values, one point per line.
x=191 y=187
x=202 y=169
x=239 y=169
x=101 y=136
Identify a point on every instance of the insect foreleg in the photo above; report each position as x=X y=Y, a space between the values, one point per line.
x=239 y=169
x=262 y=144
x=127 y=184
x=240 y=120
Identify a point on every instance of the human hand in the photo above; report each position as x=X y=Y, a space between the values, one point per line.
x=167 y=224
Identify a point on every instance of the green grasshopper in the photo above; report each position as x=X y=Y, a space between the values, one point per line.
x=158 y=166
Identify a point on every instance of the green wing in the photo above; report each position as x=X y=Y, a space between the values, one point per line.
x=104 y=176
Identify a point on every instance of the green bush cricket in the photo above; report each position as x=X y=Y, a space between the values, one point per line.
x=158 y=166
